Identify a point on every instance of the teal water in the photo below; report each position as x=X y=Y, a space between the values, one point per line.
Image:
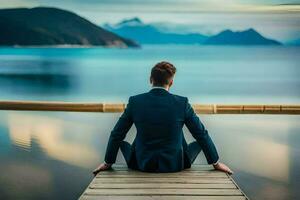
x=205 y=73
x=57 y=151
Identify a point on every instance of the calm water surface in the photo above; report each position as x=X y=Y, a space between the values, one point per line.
x=50 y=155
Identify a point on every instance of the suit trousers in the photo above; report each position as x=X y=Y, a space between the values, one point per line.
x=190 y=153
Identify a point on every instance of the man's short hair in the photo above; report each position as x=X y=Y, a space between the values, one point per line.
x=162 y=73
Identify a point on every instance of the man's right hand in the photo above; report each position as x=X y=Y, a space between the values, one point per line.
x=102 y=167
x=222 y=167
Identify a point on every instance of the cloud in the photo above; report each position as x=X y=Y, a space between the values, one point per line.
x=274 y=18
x=161 y=5
x=16 y=3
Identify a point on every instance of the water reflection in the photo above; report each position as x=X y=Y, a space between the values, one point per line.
x=262 y=156
x=206 y=74
x=261 y=140
x=32 y=175
x=294 y=138
x=47 y=150
x=53 y=136
x=262 y=150
x=38 y=76
x=35 y=82
x=17 y=176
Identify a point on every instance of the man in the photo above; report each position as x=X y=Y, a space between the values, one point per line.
x=159 y=117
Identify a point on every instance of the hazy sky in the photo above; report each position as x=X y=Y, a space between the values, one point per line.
x=279 y=19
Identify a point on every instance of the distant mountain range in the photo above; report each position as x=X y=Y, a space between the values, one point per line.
x=148 y=34
x=143 y=33
x=51 y=26
x=247 y=37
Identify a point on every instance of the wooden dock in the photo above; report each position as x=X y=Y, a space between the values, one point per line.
x=200 y=182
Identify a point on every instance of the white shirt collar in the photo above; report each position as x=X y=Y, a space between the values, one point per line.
x=158 y=87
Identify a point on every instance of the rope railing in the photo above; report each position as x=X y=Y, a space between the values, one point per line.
x=119 y=107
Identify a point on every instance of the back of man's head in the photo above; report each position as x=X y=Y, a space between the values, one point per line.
x=162 y=74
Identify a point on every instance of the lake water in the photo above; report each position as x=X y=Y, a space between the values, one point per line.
x=50 y=155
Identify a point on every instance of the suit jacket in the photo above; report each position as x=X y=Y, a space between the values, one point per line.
x=159 y=117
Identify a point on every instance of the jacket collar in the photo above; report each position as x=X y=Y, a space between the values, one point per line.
x=159 y=90
x=159 y=87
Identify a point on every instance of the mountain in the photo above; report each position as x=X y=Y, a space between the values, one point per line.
x=136 y=30
x=131 y=22
x=247 y=37
x=143 y=33
x=52 y=26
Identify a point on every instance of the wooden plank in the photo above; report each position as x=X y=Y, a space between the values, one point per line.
x=195 y=168
x=93 y=197
x=162 y=176
x=162 y=185
x=198 y=170
x=162 y=180
x=186 y=171
x=199 y=182
x=189 y=171
x=119 y=107
x=183 y=173
x=174 y=192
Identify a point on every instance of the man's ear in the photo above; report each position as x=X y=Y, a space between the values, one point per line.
x=151 y=80
x=171 y=83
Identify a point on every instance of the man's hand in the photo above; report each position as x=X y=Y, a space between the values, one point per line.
x=222 y=167
x=102 y=167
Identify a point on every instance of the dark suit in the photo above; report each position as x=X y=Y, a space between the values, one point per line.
x=159 y=145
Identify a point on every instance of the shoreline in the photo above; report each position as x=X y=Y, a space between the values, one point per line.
x=69 y=46
x=75 y=46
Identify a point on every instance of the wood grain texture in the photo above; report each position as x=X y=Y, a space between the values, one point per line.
x=198 y=182
x=112 y=108
x=200 y=175
x=164 y=191
x=163 y=185
x=160 y=180
x=162 y=197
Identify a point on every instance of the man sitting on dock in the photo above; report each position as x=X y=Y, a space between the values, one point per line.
x=159 y=117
